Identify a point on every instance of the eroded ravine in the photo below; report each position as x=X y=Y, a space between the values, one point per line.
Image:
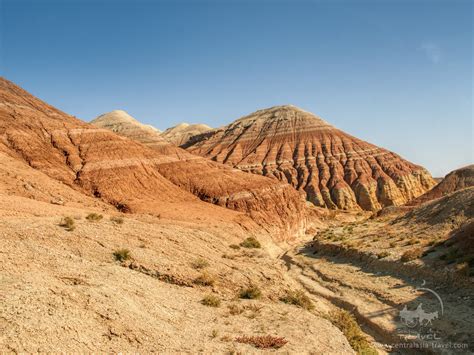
x=376 y=299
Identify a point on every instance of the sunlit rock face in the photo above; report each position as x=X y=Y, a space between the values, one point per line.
x=331 y=168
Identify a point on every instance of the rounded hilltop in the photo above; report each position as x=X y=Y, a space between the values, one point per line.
x=181 y=133
x=282 y=113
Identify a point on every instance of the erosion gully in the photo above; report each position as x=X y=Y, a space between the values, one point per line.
x=396 y=311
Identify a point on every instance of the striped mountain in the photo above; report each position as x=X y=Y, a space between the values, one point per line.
x=330 y=167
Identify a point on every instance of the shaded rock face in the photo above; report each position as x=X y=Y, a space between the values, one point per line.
x=456 y=180
x=180 y=134
x=329 y=167
x=268 y=201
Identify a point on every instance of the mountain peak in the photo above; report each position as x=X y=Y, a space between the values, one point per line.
x=331 y=168
x=181 y=133
x=283 y=113
x=118 y=120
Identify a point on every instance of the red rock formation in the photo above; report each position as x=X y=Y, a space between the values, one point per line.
x=96 y=161
x=331 y=168
x=267 y=200
x=126 y=173
x=456 y=180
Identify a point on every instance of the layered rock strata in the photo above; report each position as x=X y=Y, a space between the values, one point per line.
x=329 y=167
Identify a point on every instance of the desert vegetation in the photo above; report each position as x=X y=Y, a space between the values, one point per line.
x=349 y=327
x=117 y=219
x=297 y=298
x=122 y=255
x=211 y=301
x=199 y=263
x=68 y=224
x=205 y=279
x=251 y=292
x=250 y=242
x=94 y=217
x=263 y=341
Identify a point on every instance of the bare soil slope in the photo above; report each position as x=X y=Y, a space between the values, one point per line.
x=454 y=181
x=63 y=291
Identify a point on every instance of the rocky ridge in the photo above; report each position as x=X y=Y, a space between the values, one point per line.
x=329 y=167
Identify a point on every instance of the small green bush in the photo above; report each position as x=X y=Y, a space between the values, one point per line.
x=250 y=242
x=250 y=293
x=122 y=254
x=298 y=298
x=94 y=217
x=68 y=224
x=349 y=327
x=211 y=301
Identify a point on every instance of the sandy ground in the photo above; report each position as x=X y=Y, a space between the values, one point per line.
x=63 y=291
x=343 y=267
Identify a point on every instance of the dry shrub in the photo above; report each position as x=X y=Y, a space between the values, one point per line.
x=205 y=279
x=234 y=246
x=250 y=242
x=94 y=217
x=199 y=263
x=250 y=293
x=116 y=219
x=263 y=341
x=211 y=301
x=228 y=256
x=68 y=224
x=297 y=298
x=351 y=330
x=235 y=309
x=122 y=254
x=411 y=254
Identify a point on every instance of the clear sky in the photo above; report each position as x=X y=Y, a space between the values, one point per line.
x=396 y=73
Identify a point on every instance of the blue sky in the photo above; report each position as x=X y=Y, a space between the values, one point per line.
x=396 y=73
